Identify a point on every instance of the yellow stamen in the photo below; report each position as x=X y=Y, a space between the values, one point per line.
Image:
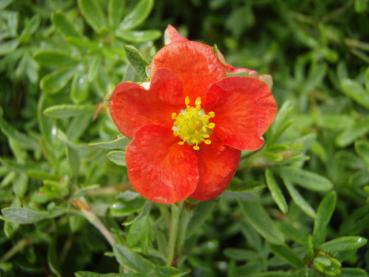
x=192 y=125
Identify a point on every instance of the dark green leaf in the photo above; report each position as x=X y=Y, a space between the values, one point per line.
x=64 y=25
x=137 y=61
x=256 y=215
x=286 y=253
x=132 y=261
x=54 y=58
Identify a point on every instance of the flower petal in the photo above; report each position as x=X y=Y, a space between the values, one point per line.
x=132 y=107
x=171 y=35
x=168 y=87
x=244 y=109
x=160 y=169
x=195 y=64
x=217 y=166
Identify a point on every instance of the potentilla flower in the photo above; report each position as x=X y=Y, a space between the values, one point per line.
x=189 y=127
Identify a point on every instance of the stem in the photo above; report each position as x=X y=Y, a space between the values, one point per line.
x=173 y=232
x=15 y=249
x=93 y=219
x=187 y=214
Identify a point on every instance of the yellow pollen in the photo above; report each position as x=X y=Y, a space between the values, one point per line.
x=192 y=125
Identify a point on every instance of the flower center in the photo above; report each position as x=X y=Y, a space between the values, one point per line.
x=192 y=125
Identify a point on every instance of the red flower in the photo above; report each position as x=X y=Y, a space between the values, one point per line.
x=190 y=126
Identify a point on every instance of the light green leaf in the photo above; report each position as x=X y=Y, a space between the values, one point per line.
x=362 y=149
x=299 y=200
x=54 y=58
x=256 y=215
x=137 y=15
x=115 y=11
x=56 y=81
x=8 y=46
x=67 y=110
x=306 y=179
x=117 y=157
x=119 y=143
x=137 y=61
x=28 y=216
x=348 y=243
x=353 y=133
x=93 y=13
x=79 y=90
x=64 y=26
x=353 y=272
x=276 y=191
x=323 y=216
x=138 y=36
x=355 y=91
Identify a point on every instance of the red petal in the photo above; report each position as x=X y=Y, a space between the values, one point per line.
x=132 y=107
x=244 y=109
x=195 y=64
x=160 y=169
x=172 y=35
x=168 y=87
x=217 y=166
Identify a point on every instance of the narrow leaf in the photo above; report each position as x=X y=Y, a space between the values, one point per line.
x=64 y=25
x=137 y=61
x=286 y=253
x=117 y=157
x=323 y=216
x=306 y=179
x=348 y=243
x=138 y=36
x=67 y=110
x=137 y=15
x=115 y=11
x=57 y=80
x=276 y=191
x=93 y=13
x=256 y=215
x=54 y=58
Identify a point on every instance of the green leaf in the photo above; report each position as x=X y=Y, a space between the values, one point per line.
x=54 y=58
x=67 y=110
x=28 y=216
x=117 y=157
x=138 y=36
x=79 y=90
x=323 y=216
x=137 y=61
x=299 y=200
x=131 y=260
x=276 y=191
x=291 y=232
x=140 y=233
x=8 y=46
x=119 y=143
x=202 y=212
x=93 y=13
x=286 y=253
x=353 y=133
x=353 y=272
x=241 y=254
x=306 y=179
x=64 y=26
x=5 y=3
x=355 y=91
x=24 y=140
x=94 y=274
x=56 y=81
x=361 y=6
x=52 y=258
x=259 y=219
x=115 y=11
x=137 y=15
x=348 y=243
x=362 y=149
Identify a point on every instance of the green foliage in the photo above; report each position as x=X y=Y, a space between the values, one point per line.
x=297 y=207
